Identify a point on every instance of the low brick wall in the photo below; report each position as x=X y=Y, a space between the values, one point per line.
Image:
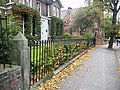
x=10 y=78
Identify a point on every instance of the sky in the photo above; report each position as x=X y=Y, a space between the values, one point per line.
x=72 y=3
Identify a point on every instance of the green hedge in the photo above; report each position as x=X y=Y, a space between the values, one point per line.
x=67 y=35
x=66 y=52
x=56 y=27
x=60 y=54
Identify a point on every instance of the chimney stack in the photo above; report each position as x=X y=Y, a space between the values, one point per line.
x=69 y=9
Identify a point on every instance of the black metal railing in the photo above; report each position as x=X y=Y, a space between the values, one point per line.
x=4 y=43
x=47 y=56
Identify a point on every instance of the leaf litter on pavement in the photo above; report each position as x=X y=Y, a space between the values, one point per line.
x=53 y=83
x=118 y=69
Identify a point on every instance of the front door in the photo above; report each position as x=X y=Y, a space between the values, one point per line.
x=44 y=29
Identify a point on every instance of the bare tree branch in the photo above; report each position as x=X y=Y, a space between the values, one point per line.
x=117 y=1
x=113 y=1
x=111 y=4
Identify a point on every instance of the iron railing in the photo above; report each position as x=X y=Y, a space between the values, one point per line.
x=4 y=43
x=47 y=56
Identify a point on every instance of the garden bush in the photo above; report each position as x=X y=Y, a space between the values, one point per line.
x=105 y=39
x=67 y=35
x=88 y=35
x=50 y=56
x=65 y=52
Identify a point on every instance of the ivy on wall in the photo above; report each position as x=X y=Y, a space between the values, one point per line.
x=56 y=27
x=31 y=19
x=2 y=2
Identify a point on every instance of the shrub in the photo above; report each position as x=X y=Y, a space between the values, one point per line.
x=88 y=35
x=104 y=39
x=67 y=35
x=77 y=36
x=56 y=27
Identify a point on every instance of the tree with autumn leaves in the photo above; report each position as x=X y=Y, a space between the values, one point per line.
x=113 y=7
x=85 y=19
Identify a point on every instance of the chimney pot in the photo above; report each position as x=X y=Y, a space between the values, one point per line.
x=69 y=8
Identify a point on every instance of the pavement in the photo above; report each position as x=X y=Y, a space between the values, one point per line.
x=98 y=72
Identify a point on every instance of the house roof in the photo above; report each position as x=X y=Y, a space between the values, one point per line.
x=60 y=3
x=53 y=1
x=74 y=11
x=64 y=12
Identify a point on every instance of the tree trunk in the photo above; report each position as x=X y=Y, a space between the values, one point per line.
x=112 y=36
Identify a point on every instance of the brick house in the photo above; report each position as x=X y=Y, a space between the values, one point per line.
x=68 y=20
x=68 y=17
x=47 y=9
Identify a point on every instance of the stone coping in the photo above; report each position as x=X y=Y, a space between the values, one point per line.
x=8 y=69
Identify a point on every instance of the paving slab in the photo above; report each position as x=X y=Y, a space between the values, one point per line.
x=98 y=72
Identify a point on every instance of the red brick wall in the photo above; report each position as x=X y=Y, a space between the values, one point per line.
x=43 y=9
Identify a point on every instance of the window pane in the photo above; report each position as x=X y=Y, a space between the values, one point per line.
x=7 y=1
x=30 y=3
x=38 y=6
x=54 y=11
x=57 y=12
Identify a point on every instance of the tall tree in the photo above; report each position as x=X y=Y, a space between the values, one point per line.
x=88 y=2
x=108 y=27
x=85 y=19
x=112 y=6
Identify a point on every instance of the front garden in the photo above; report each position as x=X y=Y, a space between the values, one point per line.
x=48 y=56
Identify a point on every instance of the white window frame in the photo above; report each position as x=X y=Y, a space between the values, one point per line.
x=28 y=2
x=9 y=2
x=57 y=12
x=31 y=3
x=23 y=1
x=54 y=10
x=20 y=1
x=39 y=6
x=48 y=10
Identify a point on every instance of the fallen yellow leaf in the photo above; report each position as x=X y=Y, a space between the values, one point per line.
x=53 y=83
